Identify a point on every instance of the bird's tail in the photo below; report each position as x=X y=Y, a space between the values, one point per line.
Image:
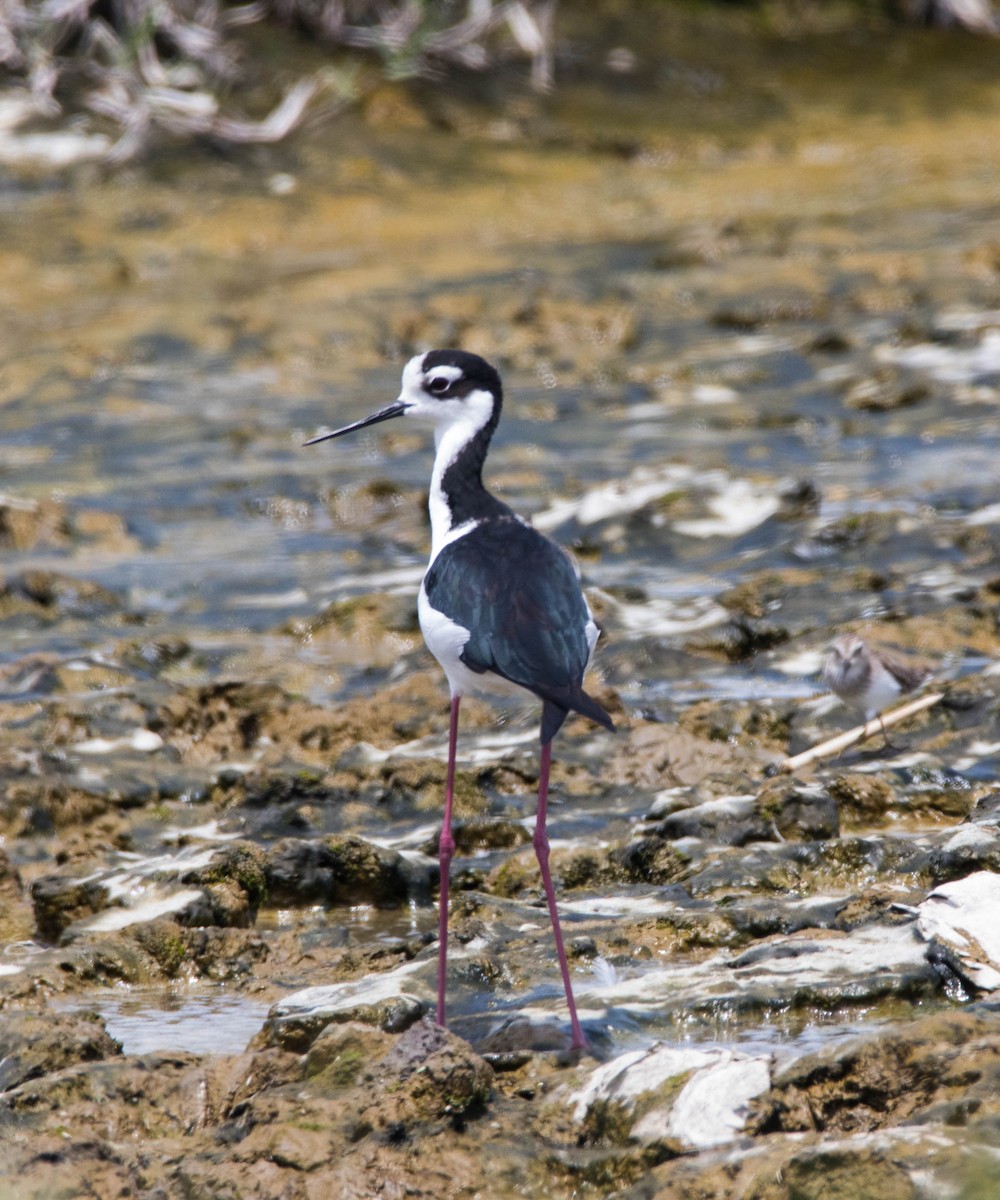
x=555 y=712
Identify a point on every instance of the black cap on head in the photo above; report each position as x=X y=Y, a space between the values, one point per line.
x=476 y=370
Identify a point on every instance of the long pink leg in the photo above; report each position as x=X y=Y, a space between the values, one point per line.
x=541 y=842
x=446 y=848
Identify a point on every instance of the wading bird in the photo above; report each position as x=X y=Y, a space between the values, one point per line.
x=866 y=679
x=500 y=605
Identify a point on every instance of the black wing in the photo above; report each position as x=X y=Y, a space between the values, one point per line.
x=519 y=596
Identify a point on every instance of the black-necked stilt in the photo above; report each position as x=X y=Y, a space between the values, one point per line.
x=500 y=605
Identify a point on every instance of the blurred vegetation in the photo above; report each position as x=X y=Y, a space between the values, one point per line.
x=148 y=68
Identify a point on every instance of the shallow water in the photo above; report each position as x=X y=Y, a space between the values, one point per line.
x=147 y=1020
x=687 y=332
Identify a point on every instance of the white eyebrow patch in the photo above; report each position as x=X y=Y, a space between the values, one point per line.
x=450 y=373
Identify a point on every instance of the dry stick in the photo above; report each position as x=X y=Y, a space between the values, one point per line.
x=858 y=734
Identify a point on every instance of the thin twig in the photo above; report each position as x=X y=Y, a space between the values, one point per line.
x=839 y=743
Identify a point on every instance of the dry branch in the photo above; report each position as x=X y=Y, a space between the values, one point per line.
x=836 y=745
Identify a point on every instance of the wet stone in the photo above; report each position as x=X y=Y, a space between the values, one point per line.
x=972 y=847
x=25 y=523
x=696 y=1097
x=730 y=820
x=883 y=1079
x=295 y=1023
x=428 y=1074
x=766 y=307
x=234 y=881
x=58 y=902
x=33 y=1045
x=647 y=860
x=343 y=870
x=343 y=1054
x=961 y=920
x=987 y=810
x=885 y=390
x=103 y=1096
x=473 y=835
x=798 y=812
x=741 y=638
x=50 y=593
x=857 y=529
x=224 y=904
x=862 y=799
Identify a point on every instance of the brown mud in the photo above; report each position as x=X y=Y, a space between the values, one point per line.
x=745 y=304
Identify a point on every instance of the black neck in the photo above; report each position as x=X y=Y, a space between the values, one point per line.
x=462 y=480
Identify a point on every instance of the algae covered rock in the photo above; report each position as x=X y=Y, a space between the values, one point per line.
x=342 y=870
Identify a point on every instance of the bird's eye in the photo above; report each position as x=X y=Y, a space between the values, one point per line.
x=438 y=385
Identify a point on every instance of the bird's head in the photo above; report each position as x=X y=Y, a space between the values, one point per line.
x=449 y=388
x=847 y=662
x=846 y=649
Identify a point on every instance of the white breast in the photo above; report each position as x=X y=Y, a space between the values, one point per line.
x=446 y=640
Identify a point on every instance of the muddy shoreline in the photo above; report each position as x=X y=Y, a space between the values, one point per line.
x=753 y=384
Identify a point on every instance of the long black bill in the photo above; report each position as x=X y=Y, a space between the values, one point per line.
x=384 y=414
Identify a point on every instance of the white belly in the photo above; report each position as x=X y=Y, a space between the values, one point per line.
x=446 y=641
x=883 y=690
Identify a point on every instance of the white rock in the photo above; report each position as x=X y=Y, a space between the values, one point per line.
x=711 y=1108
x=964 y=916
x=714 y=1103
x=972 y=837
x=630 y=1075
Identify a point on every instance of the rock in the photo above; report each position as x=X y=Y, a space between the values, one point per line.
x=730 y=820
x=377 y=1001
x=798 y=812
x=427 y=1074
x=880 y=1080
x=164 y=942
x=646 y=860
x=525 y=1033
x=56 y=594
x=136 y=1097
x=783 y=809
x=234 y=885
x=848 y=1172
x=962 y=920
x=867 y=528
x=661 y=756
x=698 y=1097
x=740 y=638
x=343 y=870
x=25 y=524
x=797 y=971
x=442 y=1073
x=342 y=1053
x=987 y=810
x=33 y=1045
x=59 y=901
x=862 y=799
x=886 y=389
x=626 y=1078
x=224 y=904
x=766 y=306
x=974 y=847
x=483 y=834
x=713 y=1105
x=14 y=920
